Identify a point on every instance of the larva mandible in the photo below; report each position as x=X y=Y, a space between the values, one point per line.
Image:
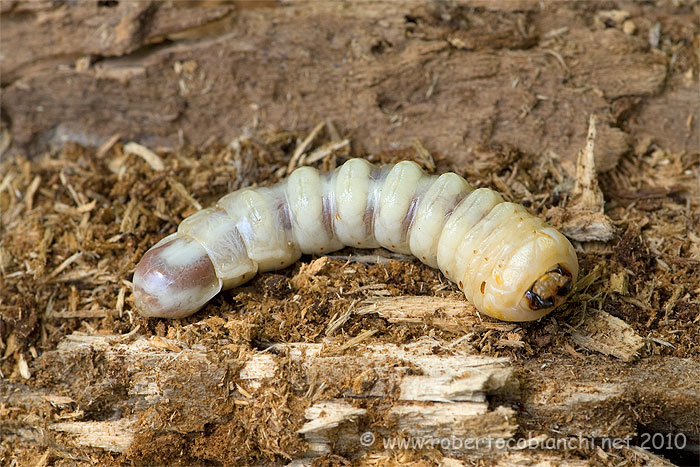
x=509 y=263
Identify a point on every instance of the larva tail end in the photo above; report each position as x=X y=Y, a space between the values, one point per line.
x=174 y=280
x=550 y=290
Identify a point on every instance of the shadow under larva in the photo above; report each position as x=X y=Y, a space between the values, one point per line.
x=509 y=264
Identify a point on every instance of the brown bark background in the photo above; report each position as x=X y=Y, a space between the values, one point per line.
x=456 y=73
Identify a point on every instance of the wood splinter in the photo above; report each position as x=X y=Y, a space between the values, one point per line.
x=583 y=219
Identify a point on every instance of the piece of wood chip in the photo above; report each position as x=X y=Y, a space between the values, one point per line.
x=146 y=154
x=29 y=196
x=604 y=333
x=107 y=145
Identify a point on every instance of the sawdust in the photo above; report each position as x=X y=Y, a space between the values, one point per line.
x=94 y=217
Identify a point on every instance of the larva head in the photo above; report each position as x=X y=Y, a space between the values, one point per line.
x=174 y=279
x=550 y=290
x=535 y=279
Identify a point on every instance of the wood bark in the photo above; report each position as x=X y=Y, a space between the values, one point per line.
x=168 y=385
x=160 y=73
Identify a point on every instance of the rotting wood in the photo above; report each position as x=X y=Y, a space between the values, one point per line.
x=599 y=331
x=649 y=458
x=604 y=333
x=114 y=436
x=369 y=92
x=452 y=377
x=569 y=395
x=424 y=426
x=336 y=419
x=446 y=313
x=447 y=384
x=531 y=456
x=465 y=420
x=160 y=370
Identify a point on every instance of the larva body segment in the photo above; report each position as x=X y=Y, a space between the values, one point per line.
x=305 y=200
x=353 y=189
x=509 y=264
x=216 y=232
x=261 y=217
x=465 y=216
x=432 y=214
x=398 y=198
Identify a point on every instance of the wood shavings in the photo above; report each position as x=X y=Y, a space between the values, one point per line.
x=65 y=264
x=423 y=156
x=23 y=367
x=113 y=436
x=587 y=194
x=337 y=321
x=146 y=154
x=72 y=314
x=130 y=216
x=163 y=344
x=74 y=194
x=182 y=191
x=619 y=282
x=357 y=339
x=5 y=140
x=107 y=145
x=607 y=334
x=6 y=182
x=326 y=150
x=29 y=196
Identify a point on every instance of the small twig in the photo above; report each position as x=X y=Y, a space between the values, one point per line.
x=587 y=194
x=70 y=260
x=107 y=145
x=182 y=191
x=559 y=58
x=325 y=150
x=423 y=155
x=302 y=147
x=338 y=321
x=357 y=339
x=29 y=196
x=146 y=154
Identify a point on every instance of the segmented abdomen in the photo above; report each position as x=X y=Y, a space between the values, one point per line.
x=509 y=264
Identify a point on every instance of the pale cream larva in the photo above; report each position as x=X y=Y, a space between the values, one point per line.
x=510 y=264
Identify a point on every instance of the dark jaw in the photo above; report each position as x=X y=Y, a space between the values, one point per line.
x=550 y=290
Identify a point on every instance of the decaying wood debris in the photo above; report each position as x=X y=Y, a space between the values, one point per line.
x=418 y=391
x=302 y=364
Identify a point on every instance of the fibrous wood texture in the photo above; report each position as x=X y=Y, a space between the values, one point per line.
x=365 y=356
x=451 y=73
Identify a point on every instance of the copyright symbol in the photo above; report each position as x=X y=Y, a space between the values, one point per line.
x=367 y=439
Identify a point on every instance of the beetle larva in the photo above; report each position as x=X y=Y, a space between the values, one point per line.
x=508 y=263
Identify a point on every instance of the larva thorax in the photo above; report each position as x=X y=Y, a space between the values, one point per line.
x=508 y=263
